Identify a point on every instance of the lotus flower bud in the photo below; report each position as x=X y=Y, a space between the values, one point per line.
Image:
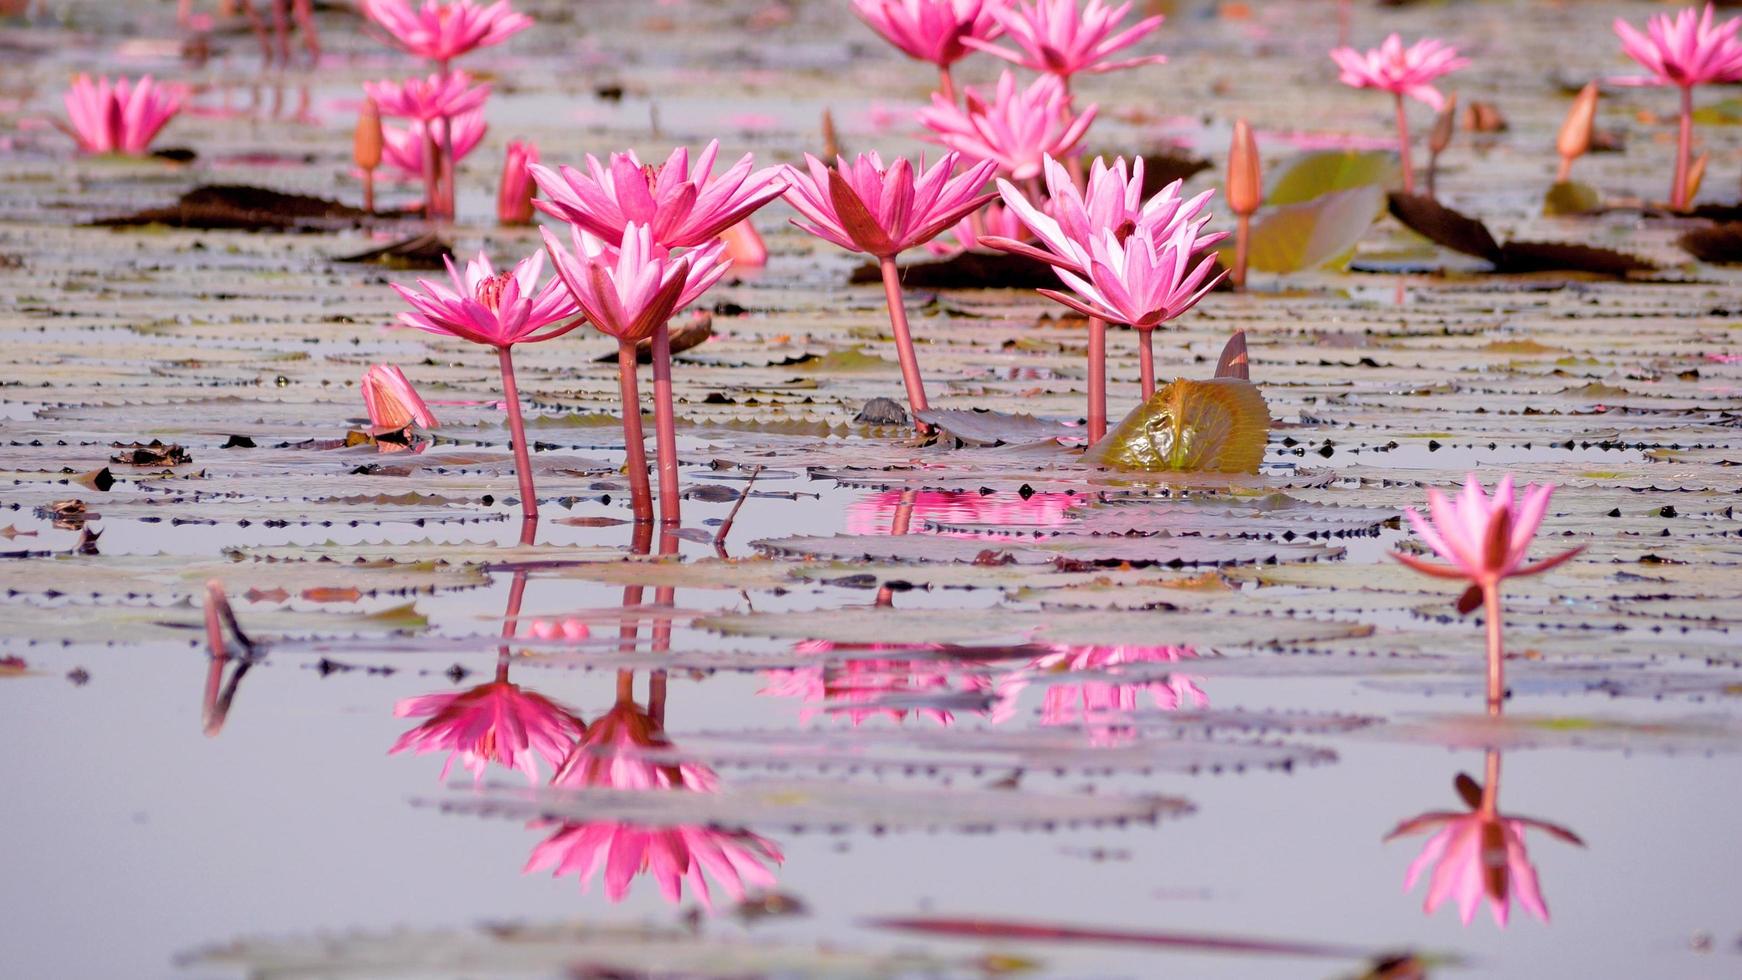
x=1696 y=173
x=1575 y=136
x=744 y=245
x=366 y=143
x=514 y=196
x=391 y=400
x=1245 y=179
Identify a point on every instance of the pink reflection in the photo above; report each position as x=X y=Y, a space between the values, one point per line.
x=612 y=754
x=858 y=688
x=1103 y=707
x=893 y=511
x=1478 y=854
x=496 y=722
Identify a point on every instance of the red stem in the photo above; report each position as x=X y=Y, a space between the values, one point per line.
x=634 y=440
x=430 y=178
x=1565 y=172
x=517 y=432
x=665 y=428
x=1146 y=360
x=1496 y=649
x=369 y=191
x=946 y=84
x=903 y=340
x=1403 y=146
x=1684 y=146
x=1097 y=379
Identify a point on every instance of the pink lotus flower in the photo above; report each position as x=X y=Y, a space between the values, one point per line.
x=391 y=400
x=496 y=722
x=629 y=291
x=1484 y=538
x=428 y=99
x=932 y=30
x=865 y=207
x=680 y=205
x=1113 y=201
x=1684 y=50
x=443 y=31
x=1018 y=128
x=1399 y=70
x=672 y=855
x=1104 y=708
x=1142 y=282
x=121 y=116
x=402 y=149
x=1056 y=38
x=491 y=308
x=514 y=195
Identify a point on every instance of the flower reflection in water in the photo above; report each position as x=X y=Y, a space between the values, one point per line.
x=895 y=511
x=497 y=722
x=865 y=688
x=1479 y=853
x=1103 y=707
x=614 y=754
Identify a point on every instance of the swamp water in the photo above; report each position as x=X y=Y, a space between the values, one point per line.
x=1068 y=724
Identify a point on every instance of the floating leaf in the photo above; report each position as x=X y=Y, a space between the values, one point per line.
x=1315 y=174
x=1569 y=197
x=1217 y=426
x=1314 y=232
x=794 y=805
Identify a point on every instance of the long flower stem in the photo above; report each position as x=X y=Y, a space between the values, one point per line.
x=1403 y=146
x=946 y=84
x=903 y=339
x=1684 y=147
x=1146 y=361
x=446 y=170
x=665 y=428
x=1565 y=172
x=1496 y=649
x=517 y=432
x=902 y=519
x=1097 y=379
x=634 y=440
x=431 y=175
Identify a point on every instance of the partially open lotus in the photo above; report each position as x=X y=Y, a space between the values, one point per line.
x=1215 y=426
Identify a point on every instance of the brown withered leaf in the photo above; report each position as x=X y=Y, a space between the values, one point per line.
x=1462 y=233
x=691 y=333
x=1720 y=244
x=245 y=208
x=153 y=453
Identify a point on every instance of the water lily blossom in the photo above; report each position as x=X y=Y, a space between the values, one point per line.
x=680 y=205
x=1685 y=50
x=497 y=310
x=864 y=206
x=630 y=293
x=442 y=30
x=434 y=101
x=1018 y=128
x=1402 y=71
x=1141 y=282
x=403 y=147
x=1485 y=540
x=391 y=401
x=496 y=722
x=514 y=194
x=1056 y=37
x=121 y=116
x=936 y=31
